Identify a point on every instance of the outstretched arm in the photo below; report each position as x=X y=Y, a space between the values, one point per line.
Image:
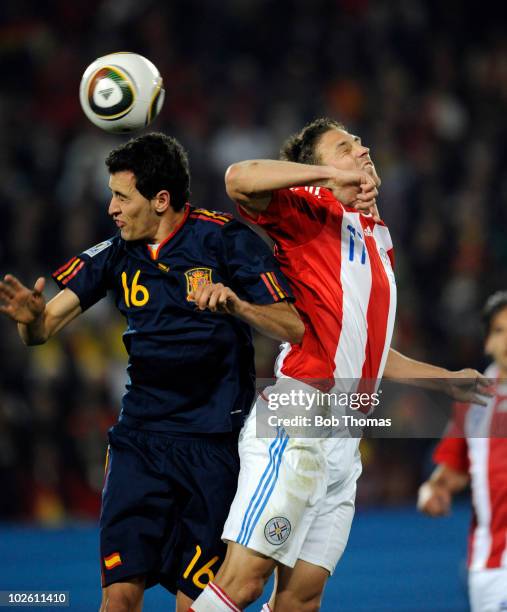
x=465 y=385
x=435 y=495
x=280 y=321
x=37 y=321
x=250 y=183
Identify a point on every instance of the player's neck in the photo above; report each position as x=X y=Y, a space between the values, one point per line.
x=169 y=223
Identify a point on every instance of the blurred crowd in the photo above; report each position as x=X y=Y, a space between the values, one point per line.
x=423 y=82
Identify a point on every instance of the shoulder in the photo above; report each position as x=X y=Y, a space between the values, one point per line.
x=209 y=219
x=296 y=205
x=310 y=194
x=221 y=224
x=104 y=249
x=95 y=260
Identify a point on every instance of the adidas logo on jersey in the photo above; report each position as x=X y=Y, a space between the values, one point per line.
x=368 y=232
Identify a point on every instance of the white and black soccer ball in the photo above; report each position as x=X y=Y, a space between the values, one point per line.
x=121 y=92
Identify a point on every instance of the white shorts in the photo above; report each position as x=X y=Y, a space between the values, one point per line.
x=488 y=590
x=295 y=496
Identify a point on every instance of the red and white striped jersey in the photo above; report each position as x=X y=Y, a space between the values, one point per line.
x=472 y=444
x=339 y=263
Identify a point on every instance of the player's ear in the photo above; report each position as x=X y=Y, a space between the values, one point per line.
x=162 y=201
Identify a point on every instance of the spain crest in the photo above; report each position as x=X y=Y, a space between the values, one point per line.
x=197 y=277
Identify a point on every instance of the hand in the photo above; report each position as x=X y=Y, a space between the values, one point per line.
x=433 y=499
x=357 y=189
x=216 y=297
x=21 y=304
x=366 y=200
x=469 y=386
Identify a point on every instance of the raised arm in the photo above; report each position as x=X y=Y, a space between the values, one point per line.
x=251 y=183
x=37 y=320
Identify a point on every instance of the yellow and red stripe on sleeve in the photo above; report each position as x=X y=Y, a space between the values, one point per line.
x=69 y=270
x=209 y=215
x=112 y=561
x=274 y=287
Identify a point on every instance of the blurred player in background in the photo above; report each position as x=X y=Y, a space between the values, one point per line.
x=295 y=499
x=189 y=282
x=474 y=451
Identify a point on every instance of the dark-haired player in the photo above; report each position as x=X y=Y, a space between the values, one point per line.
x=189 y=282
x=474 y=451
x=295 y=499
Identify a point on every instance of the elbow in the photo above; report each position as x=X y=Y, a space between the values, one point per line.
x=296 y=332
x=233 y=181
x=240 y=181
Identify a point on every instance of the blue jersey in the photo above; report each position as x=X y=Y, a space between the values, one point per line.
x=189 y=370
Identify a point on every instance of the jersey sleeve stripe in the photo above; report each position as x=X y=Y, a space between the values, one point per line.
x=274 y=281
x=68 y=270
x=203 y=218
x=216 y=215
x=270 y=288
x=68 y=278
x=62 y=268
x=211 y=214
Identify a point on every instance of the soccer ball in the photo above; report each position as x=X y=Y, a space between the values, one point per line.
x=121 y=92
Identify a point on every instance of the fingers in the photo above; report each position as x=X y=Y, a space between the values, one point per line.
x=485 y=386
x=13 y=283
x=6 y=292
x=435 y=508
x=201 y=296
x=40 y=283
x=433 y=500
x=368 y=207
x=7 y=301
x=366 y=199
x=214 y=297
x=427 y=501
x=368 y=191
x=218 y=298
x=469 y=385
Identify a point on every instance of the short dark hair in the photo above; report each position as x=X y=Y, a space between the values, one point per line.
x=301 y=147
x=158 y=162
x=493 y=305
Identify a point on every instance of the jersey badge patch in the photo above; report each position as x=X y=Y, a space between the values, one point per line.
x=277 y=530
x=98 y=248
x=197 y=277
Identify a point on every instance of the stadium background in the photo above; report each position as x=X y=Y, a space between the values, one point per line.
x=425 y=85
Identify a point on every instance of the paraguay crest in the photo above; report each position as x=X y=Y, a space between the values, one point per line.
x=277 y=530
x=197 y=277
